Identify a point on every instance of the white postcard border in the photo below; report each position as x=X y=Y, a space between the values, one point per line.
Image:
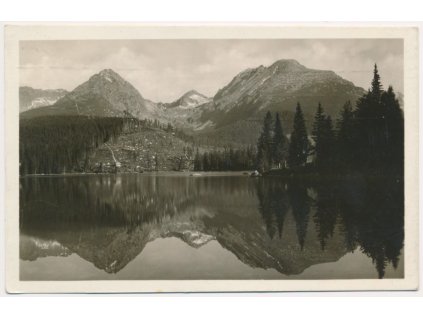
x=50 y=31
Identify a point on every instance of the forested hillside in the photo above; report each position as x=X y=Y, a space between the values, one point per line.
x=63 y=144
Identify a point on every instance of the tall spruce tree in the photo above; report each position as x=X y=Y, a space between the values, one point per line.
x=371 y=126
x=394 y=130
x=326 y=159
x=346 y=137
x=299 y=145
x=318 y=120
x=278 y=151
x=377 y=88
x=264 y=145
x=318 y=126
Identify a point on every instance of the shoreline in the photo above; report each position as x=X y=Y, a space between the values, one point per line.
x=304 y=177
x=149 y=173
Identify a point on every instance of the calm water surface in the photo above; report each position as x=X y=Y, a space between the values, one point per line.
x=174 y=226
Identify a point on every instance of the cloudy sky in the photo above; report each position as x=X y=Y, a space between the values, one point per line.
x=163 y=70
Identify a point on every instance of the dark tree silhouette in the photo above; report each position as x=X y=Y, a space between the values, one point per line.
x=317 y=135
x=267 y=198
x=318 y=123
x=228 y=159
x=273 y=205
x=300 y=203
x=394 y=130
x=380 y=219
x=264 y=146
x=324 y=140
x=279 y=143
x=299 y=144
x=326 y=212
x=377 y=88
x=346 y=137
x=379 y=129
x=328 y=144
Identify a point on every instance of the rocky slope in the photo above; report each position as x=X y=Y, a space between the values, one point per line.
x=105 y=94
x=278 y=87
x=148 y=149
x=182 y=112
x=190 y=99
x=89 y=104
x=31 y=98
x=114 y=89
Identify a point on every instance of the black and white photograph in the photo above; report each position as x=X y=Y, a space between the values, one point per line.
x=177 y=159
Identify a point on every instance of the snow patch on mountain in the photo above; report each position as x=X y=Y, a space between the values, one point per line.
x=42 y=101
x=32 y=98
x=46 y=244
x=189 y=100
x=196 y=238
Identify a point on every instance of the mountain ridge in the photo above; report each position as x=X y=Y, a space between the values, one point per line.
x=247 y=97
x=279 y=87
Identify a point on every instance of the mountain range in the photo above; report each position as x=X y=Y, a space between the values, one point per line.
x=241 y=103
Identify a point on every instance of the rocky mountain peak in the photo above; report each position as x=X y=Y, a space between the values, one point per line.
x=192 y=92
x=104 y=94
x=107 y=76
x=190 y=99
x=108 y=71
x=288 y=65
x=279 y=87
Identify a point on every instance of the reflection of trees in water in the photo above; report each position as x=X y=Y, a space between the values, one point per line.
x=116 y=200
x=379 y=222
x=369 y=213
x=276 y=198
x=274 y=205
x=300 y=203
x=109 y=219
x=326 y=212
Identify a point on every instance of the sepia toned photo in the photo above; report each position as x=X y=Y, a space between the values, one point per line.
x=257 y=162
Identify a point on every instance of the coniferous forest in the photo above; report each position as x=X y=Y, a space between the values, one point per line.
x=63 y=145
x=227 y=159
x=368 y=138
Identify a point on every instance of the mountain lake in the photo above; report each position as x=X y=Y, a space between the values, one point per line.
x=209 y=226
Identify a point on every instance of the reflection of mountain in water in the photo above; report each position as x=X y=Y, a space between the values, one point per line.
x=32 y=248
x=266 y=223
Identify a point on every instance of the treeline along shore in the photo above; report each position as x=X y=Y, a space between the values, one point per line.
x=368 y=138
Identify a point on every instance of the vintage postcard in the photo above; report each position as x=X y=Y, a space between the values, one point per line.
x=195 y=158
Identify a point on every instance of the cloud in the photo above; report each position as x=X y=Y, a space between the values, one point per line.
x=162 y=70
